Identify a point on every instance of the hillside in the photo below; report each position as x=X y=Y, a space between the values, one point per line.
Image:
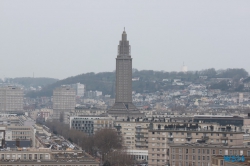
x=150 y=81
x=29 y=81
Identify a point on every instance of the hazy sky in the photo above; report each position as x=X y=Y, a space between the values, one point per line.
x=62 y=38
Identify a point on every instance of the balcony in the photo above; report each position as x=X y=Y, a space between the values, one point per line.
x=189 y=136
x=118 y=127
x=140 y=127
x=170 y=142
x=141 y=145
x=205 y=137
x=170 y=136
x=141 y=140
x=141 y=131
x=139 y=136
x=223 y=137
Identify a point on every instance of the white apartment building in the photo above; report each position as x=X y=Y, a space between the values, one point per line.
x=64 y=101
x=11 y=99
x=79 y=88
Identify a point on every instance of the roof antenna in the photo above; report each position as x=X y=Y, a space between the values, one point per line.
x=124 y=28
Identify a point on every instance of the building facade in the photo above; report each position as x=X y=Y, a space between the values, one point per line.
x=79 y=88
x=202 y=154
x=162 y=135
x=134 y=133
x=64 y=101
x=11 y=99
x=90 y=125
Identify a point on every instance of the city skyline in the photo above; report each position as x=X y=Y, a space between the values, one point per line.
x=62 y=39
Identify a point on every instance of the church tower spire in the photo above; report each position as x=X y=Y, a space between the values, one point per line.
x=124 y=47
x=123 y=99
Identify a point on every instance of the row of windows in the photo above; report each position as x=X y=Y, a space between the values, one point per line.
x=204 y=134
x=207 y=151
x=193 y=157
x=193 y=164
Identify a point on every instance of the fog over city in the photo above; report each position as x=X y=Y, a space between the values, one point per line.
x=62 y=38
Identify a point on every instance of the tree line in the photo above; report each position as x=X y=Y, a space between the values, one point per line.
x=105 y=143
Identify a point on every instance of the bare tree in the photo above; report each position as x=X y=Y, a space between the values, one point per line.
x=107 y=140
x=120 y=158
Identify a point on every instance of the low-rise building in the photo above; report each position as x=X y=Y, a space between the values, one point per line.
x=91 y=124
x=200 y=154
x=163 y=134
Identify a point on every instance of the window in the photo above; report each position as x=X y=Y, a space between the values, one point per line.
x=212 y=134
x=193 y=150
x=180 y=150
x=199 y=151
x=231 y=134
x=207 y=151
x=173 y=150
x=231 y=140
x=186 y=157
x=186 y=150
x=220 y=152
x=182 y=133
x=218 y=134
x=193 y=157
x=180 y=157
x=213 y=151
x=221 y=162
x=176 y=133
x=173 y=156
x=208 y=158
x=199 y=157
x=197 y=133
x=203 y=158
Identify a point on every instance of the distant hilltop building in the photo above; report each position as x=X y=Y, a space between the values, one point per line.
x=184 y=68
x=123 y=106
x=11 y=99
x=79 y=88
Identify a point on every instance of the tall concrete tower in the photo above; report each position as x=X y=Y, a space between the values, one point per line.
x=123 y=99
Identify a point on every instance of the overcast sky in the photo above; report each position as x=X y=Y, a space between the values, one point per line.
x=62 y=38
